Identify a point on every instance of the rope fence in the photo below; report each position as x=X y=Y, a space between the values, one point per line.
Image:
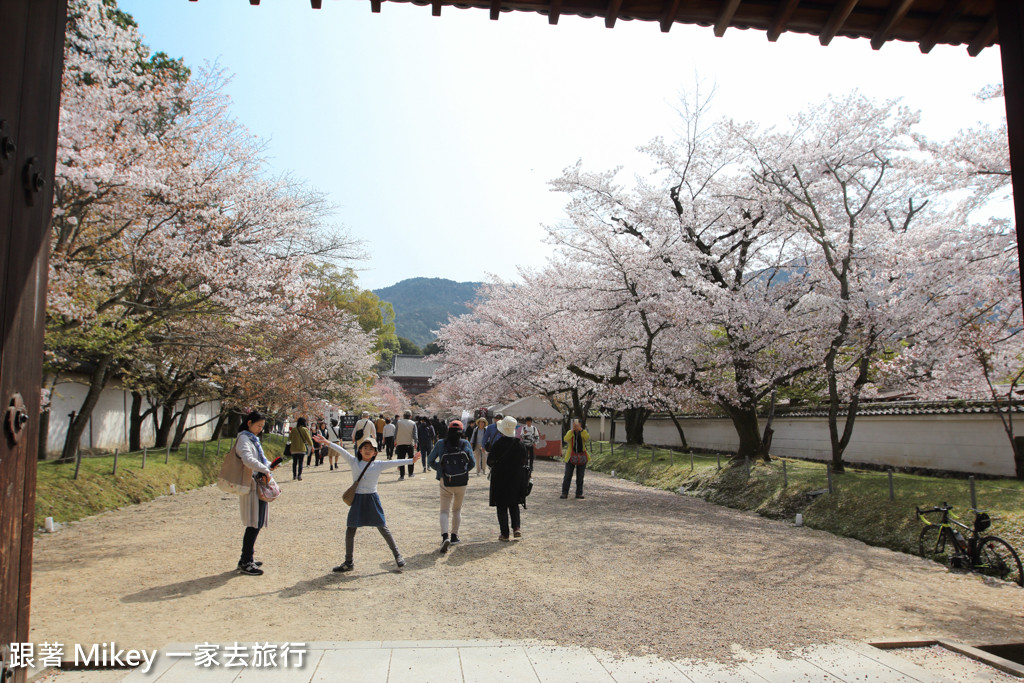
x=818 y=478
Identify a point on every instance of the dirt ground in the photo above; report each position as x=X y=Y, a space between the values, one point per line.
x=629 y=570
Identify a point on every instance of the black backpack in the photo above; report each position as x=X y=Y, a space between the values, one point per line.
x=455 y=467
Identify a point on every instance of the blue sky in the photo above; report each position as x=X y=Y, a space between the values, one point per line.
x=435 y=137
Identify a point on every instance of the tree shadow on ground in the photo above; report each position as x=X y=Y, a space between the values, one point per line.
x=182 y=589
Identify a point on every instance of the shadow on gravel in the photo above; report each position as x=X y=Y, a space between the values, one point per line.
x=182 y=588
x=326 y=582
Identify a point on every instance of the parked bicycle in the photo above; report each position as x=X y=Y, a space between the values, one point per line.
x=946 y=542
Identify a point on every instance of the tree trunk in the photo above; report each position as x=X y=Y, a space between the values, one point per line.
x=1018 y=455
x=679 y=428
x=611 y=430
x=97 y=382
x=135 y=418
x=744 y=421
x=179 y=430
x=44 y=434
x=164 y=424
x=635 y=419
x=224 y=416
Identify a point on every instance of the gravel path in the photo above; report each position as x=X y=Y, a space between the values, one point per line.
x=629 y=569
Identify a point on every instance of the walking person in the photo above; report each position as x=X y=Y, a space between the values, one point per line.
x=300 y=443
x=255 y=512
x=577 y=453
x=476 y=442
x=452 y=459
x=389 y=437
x=425 y=433
x=320 y=451
x=506 y=458
x=366 y=509
x=363 y=428
x=378 y=426
x=529 y=436
x=405 y=442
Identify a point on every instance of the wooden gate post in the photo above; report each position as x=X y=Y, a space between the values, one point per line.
x=31 y=62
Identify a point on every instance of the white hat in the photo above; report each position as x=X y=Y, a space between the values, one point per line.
x=507 y=426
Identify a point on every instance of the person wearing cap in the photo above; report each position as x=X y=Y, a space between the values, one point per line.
x=366 y=509
x=506 y=458
x=365 y=425
x=577 y=453
x=453 y=491
x=476 y=443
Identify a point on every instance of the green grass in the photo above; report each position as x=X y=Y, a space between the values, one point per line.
x=61 y=496
x=859 y=506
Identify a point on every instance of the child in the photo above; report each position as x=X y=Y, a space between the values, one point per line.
x=366 y=509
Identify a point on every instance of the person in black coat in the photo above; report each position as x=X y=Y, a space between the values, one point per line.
x=506 y=460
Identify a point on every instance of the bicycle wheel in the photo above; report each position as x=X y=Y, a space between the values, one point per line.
x=998 y=559
x=932 y=544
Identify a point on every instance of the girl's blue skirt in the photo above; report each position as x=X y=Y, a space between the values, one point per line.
x=366 y=510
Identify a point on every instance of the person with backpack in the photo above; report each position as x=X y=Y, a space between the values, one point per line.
x=452 y=459
x=529 y=436
x=426 y=436
x=363 y=428
x=506 y=458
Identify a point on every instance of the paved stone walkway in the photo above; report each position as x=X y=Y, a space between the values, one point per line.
x=536 y=662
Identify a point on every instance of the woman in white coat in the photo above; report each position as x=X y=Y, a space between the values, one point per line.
x=255 y=512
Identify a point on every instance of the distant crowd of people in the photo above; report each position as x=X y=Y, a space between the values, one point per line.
x=502 y=450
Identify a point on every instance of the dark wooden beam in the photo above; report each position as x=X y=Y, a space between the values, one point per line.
x=254 y=3
x=554 y=11
x=614 y=7
x=897 y=10
x=669 y=17
x=1010 y=15
x=983 y=38
x=725 y=16
x=375 y=6
x=949 y=14
x=435 y=8
x=781 y=19
x=839 y=15
x=495 y=9
x=316 y=4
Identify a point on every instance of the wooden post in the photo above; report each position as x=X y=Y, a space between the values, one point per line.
x=671 y=457
x=691 y=462
x=1010 y=19
x=785 y=476
x=144 y=450
x=186 y=451
x=204 y=449
x=828 y=474
x=78 y=460
x=116 y=450
x=974 y=494
x=167 y=455
x=718 y=460
x=892 y=491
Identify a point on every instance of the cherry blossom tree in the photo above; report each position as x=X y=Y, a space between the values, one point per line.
x=164 y=216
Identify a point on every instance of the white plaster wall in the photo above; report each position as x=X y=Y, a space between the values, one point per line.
x=108 y=427
x=961 y=443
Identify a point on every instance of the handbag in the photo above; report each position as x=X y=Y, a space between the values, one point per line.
x=350 y=492
x=266 y=488
x=234 y=476
x=578 y=458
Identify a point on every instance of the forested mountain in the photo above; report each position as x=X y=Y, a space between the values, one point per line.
x=423 y=304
